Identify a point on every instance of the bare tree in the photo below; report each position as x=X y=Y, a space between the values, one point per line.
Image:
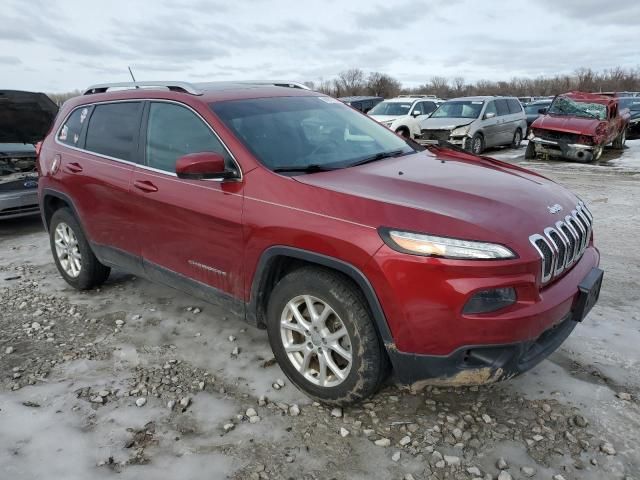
x=350 y=82
x=382 y=85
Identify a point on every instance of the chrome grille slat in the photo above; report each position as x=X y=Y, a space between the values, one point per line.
x=561 y=245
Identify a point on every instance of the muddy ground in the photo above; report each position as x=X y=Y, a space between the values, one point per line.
x=135 y=380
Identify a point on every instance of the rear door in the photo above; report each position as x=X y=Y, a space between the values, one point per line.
x=97 y=148
x=191 y=229
x=504 y=120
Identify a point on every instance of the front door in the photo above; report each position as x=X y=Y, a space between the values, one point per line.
x=191 y=229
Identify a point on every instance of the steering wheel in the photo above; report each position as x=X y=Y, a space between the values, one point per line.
x=330 y=142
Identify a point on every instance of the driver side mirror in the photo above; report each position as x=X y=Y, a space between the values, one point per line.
x=200 y=166
x=416 y=113
x=542 y=111
x=489 y=115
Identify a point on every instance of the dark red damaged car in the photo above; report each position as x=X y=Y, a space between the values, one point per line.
x=361 y=252
x=577 y=126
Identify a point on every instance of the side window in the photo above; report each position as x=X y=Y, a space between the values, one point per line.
x=502 y=107
x=70 y=132
x=429 y=107
x=113 y=128
x=514 y=105
x=417 y=109
x=174 y=131
x=491 y=108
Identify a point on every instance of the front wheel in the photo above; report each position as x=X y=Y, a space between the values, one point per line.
x=403 y=132
x=530 y=152
x=323 y=337
x=477 y=144
x=620 y=140
x=74 y=258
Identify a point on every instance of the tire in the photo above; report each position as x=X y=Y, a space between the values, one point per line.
x=90 y=272
x=620 y=140
x=597 y=153
x=517 y=139
x=321 y=287
x=403 y=132
x=477 y=144
x=530 y=152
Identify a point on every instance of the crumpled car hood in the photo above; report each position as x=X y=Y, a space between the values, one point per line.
x=577 y=125
x=25 y=117
x=444 y=123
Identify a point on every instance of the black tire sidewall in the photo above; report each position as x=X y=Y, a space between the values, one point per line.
x=365 y=374
x=89 y=264
x=473 y=143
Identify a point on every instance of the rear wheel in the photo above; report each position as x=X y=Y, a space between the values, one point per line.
x=620 y=140
x=72 y=254
x=517 y=139
x=323 y=337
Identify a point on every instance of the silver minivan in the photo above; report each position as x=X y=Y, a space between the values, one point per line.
x=476 y=123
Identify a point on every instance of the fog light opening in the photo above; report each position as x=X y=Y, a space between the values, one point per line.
x=490 y=300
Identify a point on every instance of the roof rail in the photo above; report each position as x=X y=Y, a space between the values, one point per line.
x=173 y=86
x=275 y=83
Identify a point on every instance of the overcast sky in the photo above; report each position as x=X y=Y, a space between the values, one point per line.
x=75 y=43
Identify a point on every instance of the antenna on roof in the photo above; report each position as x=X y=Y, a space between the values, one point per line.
x=132 y=77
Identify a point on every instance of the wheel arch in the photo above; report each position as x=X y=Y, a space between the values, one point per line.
x=277 y=261
x=53 y=200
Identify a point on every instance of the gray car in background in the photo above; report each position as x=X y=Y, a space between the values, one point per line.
x=25 y=119
x=476 y=123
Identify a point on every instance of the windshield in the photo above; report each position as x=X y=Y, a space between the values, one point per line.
x=290 y=133
x=568 y=107
x=532 y=109
x=630 y=103
x=391 y=108
x=459 y=109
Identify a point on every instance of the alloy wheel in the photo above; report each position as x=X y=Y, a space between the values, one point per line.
x=316 y=341
x=67 y=250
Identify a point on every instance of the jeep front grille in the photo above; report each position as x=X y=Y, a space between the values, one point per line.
x=561 y=245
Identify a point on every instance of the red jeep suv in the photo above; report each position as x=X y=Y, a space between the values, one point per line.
x=359 y=251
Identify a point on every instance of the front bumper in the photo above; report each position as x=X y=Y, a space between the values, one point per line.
x=557 y=148
x=483 y=364
x=19 y=203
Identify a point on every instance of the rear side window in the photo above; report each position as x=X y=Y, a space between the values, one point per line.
x=113 y=129
x=70 y=132
x=502 y=107
x=174 y=131
x=514 y=105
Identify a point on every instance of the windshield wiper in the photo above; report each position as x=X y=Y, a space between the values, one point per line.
x=379 y=156
x=313 y=168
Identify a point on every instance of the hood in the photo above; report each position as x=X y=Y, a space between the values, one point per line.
x=445 y=123
x=447 y=193
x=385 y=118
x=25 y=117
x=561 y=123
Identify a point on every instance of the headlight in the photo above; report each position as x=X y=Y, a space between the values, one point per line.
x=460 y=131
x=389 y=123
x=432 y=246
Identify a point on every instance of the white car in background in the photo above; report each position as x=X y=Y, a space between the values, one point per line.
x=403 y=114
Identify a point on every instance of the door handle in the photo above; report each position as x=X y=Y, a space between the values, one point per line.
x=145 y=186
x=73 y=167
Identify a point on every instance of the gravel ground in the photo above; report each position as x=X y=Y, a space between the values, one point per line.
x=135 y=380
